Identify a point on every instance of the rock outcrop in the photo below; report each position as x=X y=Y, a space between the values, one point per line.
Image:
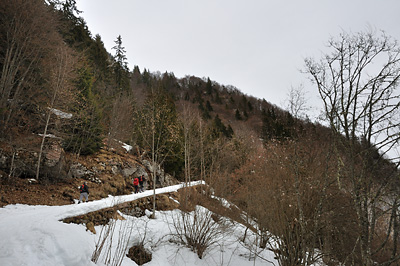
x=22 y=161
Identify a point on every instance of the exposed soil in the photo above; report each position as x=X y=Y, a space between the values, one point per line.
x=22 y=191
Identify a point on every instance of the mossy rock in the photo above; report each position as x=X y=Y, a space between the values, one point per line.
x=139 y=255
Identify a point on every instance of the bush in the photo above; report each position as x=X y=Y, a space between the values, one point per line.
x=198 y=230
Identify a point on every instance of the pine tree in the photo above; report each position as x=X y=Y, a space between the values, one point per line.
x=209 y=87
x=217 y=98
x=99 y=56
x=219 y=129
x=85 y=135
x=246 y=115
x=238 y=115
x=209 y=106
x=121 y=65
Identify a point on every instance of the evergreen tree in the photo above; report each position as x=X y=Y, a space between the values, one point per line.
x=208 y=106
x=238 y=115
x=146 y=77
x=204 y=111
x=187 y=97
x=217 y=99
x=85 y=135
x=69 y=8
x=209 y=87
x=250 y=106
x=244 y=102
x=121 y=65
x=246 y=115
x=73 y=28
x=268 y=125
x=229 y=132
x=99 y=56
x=218 y=129
x=275 y=127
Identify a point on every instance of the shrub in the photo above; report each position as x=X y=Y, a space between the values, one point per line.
x=198 y=230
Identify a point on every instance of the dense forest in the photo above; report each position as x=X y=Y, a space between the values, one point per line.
x=319 y=187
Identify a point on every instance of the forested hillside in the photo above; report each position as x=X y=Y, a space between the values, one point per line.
x=326 y=188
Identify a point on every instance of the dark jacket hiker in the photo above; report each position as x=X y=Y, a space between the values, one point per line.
x=141 y=180
x=84 y=190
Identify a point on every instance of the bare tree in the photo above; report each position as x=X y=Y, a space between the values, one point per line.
x=284 y=188
x=358 y=84
x=59 y=79
x=157 y=130
x=297 y=101
x=121 y=119
x=28 y=36
x=188 y=122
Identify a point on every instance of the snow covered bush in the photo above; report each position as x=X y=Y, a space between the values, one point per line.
x=199 y=230
x=112 y=242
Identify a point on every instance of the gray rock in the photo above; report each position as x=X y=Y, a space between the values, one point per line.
x=141 y=171
x=77 y=170
x=114 y=169
x=126 y=172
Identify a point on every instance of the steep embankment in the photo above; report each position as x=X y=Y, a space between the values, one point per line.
x=108 y=172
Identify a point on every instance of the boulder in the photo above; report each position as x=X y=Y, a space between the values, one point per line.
x=24 y=160
x=90 y=227
x=127 y=172
x=139 y=254
x=77 y=170
x=53 y=154
x=141 y=171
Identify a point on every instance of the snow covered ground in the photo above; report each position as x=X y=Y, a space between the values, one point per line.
x=34 y=235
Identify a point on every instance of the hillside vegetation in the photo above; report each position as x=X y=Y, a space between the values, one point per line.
x=67 y=105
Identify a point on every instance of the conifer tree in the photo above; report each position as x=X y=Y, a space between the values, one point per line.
x=219 y=129
x=238 y=116
x=99 y=56
x=209 y=87
x=121 y=65
x=85 y=136
x=209 y=106
x=217 y=98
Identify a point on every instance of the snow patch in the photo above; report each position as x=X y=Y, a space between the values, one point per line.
x=60 y=113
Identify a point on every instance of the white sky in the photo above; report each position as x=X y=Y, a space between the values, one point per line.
x=258 y=46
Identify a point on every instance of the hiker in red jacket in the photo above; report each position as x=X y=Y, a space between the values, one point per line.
x=136 y=184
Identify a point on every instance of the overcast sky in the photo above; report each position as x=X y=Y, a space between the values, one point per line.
x=258 y=46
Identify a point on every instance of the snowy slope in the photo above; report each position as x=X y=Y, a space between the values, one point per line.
x=34 y=235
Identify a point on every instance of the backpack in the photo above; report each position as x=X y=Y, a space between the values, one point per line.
x=82 y=188
x=135 y=181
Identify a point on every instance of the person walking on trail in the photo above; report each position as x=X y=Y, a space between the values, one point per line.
x=84 y=189
x=141 y=180
x=136 y=184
